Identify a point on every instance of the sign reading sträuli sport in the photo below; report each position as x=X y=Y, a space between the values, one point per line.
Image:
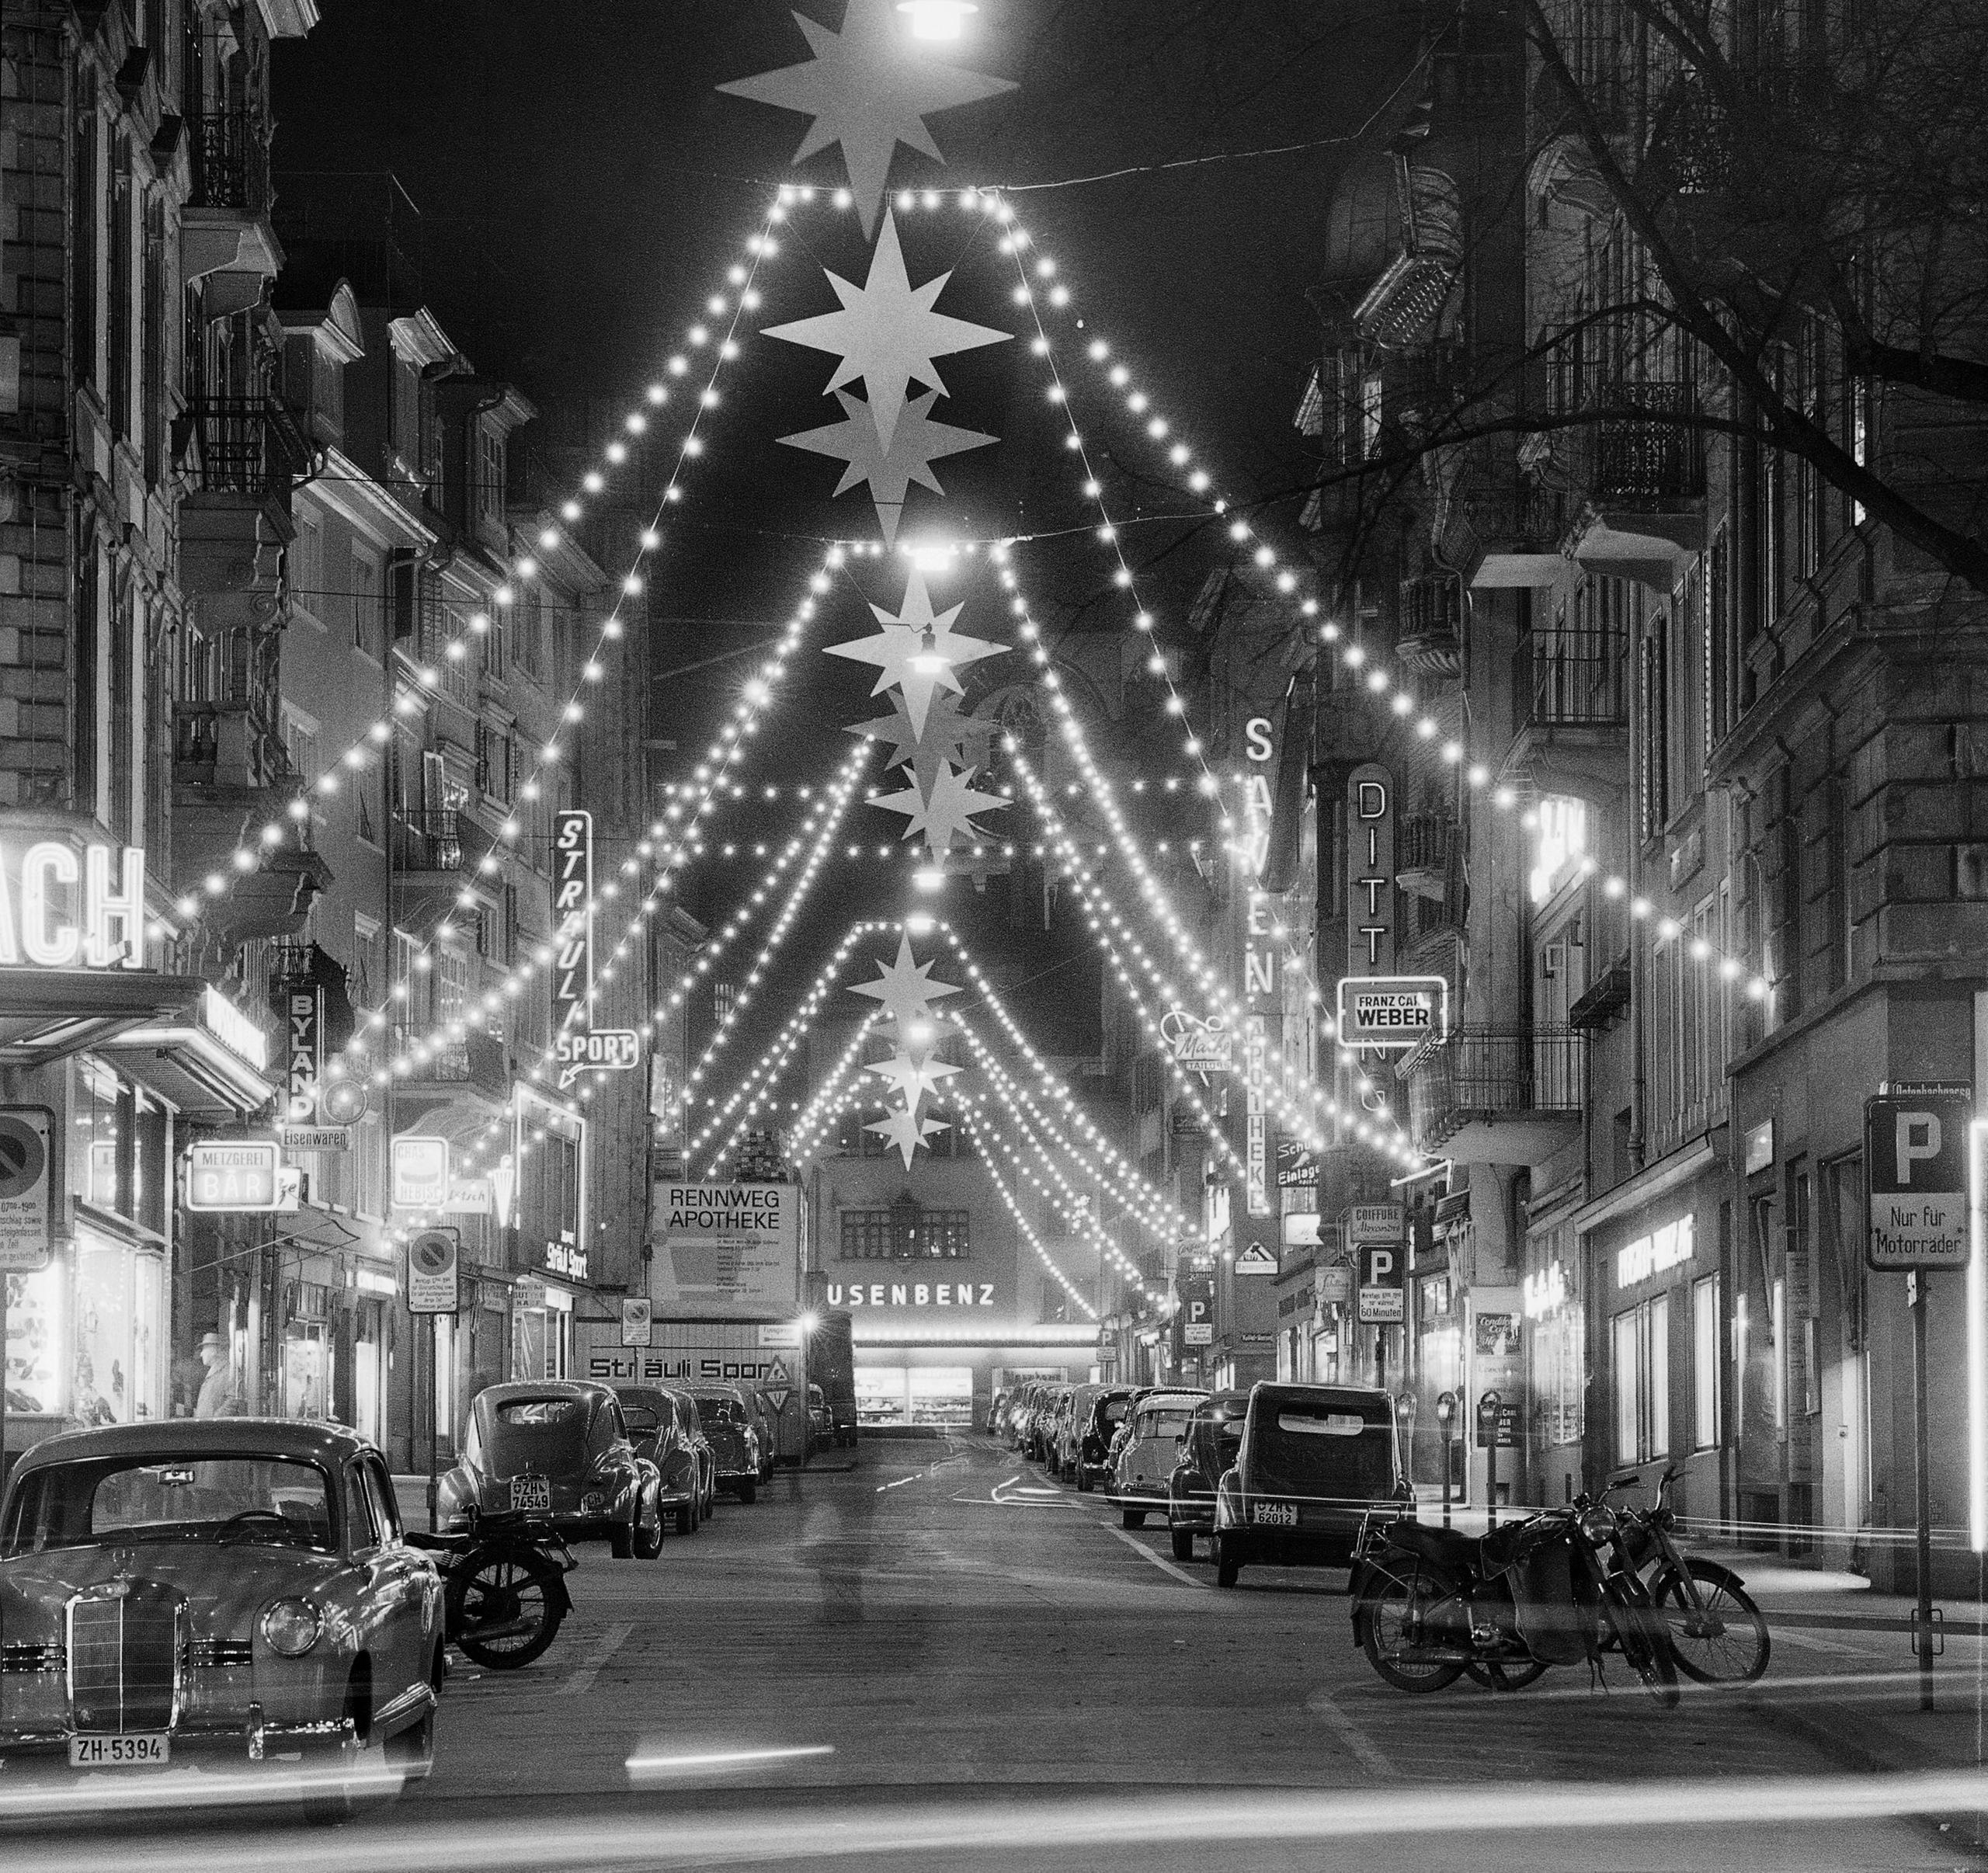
x=727 y=1248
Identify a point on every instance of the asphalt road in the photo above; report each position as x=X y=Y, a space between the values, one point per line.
x=937 y=1658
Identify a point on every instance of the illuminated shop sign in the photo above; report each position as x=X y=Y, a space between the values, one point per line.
x=1652 y=1254
x=63 y=909
x=1540 y=1294
x=578 y=1046
x=1369 y=822
x=911 y=1293
x=1262 y=958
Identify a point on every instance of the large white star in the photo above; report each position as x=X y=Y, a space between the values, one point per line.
x=912 y=1077
x=905 y=988
x=906 y=1131
x=919 y=442
x=949 y=737
x=944 y=815
x=869 y=88
x=887 y=333
x=917 y=651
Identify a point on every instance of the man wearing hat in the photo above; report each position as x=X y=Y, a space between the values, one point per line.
x=221 y=1392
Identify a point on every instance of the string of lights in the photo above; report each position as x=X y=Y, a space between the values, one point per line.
x=1021 y=1222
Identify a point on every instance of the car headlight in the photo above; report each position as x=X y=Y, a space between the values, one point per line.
x=291 y=1628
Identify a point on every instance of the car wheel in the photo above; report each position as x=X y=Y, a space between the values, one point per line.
x=1183 y=1544
x=747 y=1490
x=1135 y=1518
x=686 y=1519
x=649 y=1533
x=344 y=1793
x=621 y=1541
x=1228 y=1558
x=1084 y=1484
x=411 y=1753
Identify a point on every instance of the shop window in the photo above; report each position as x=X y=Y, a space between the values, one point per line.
x=34 y=1330
x=906 y=1233
x=116 y=1300
x=1706 y=1399
x=1641 y=1374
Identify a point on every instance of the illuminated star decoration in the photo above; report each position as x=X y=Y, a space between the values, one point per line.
x=918 y=443
x=944 y=814
x=906 y=992
x=888 y=333
x=869 y=88
x=917 y=651
x=950 y=738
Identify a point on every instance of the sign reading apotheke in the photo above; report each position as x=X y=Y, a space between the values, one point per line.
x=732 y=1247
x=63 y=908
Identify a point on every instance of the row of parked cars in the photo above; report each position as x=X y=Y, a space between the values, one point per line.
x=242 y=1591
x=1280 y=1475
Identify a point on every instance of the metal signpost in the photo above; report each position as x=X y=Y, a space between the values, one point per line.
x=1446 y=1419
x=27 y=1237
x=1487 y=1435
x=432 y=1289
x=1915 y=1157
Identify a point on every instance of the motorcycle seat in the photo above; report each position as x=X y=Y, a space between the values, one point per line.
x=1445 y=1547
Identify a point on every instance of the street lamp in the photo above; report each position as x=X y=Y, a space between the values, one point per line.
x=937 y=19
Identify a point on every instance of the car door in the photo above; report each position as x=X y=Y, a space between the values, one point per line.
x=409 y=1583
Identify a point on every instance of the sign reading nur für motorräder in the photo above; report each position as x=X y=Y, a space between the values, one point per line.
x=1915 y=1160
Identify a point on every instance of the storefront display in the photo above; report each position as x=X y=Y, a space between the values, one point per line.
x=34 y=1343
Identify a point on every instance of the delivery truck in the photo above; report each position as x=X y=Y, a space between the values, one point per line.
x=767 y=1355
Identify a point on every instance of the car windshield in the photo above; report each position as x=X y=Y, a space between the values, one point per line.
x=542 y=1411
x=1335 y=1448
x=1162 y=1421
x=719 y=1411
x=642 y=1422
x=1112 y=1412
x=277 y=1500
x=539 y=1435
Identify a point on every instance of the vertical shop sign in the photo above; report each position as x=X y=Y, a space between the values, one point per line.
x=578 y=1046
x=303 y=1048
x=1261 y=993
x=1369 y=822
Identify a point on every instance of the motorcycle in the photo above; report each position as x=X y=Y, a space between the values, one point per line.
x=1558 y=1588
x=1718 y=1635
x=503 y=1586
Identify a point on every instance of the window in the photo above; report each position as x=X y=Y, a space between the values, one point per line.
x=1559 y=842
x=496 y=762
x=300 y=743
x=1705 y=1364
x=306 y=569
x=496 y=646
x=369 y=979
x=1641 y=1338
x=489 y=473
x=529 y=612
x=368 y=622
x=451 y=985
x=904 y=1232
x=1653 y=753
x=83 y=285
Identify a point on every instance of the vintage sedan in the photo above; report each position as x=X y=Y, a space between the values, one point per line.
x=1148 y=1450
x=728 y=1422
x=663 y=1428
x=1208 y=1448
x=1103 y=1409
x=562 y=1450
x=1311 y=1461
x=235 y=1590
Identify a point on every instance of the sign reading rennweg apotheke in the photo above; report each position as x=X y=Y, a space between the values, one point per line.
x=727 y=1248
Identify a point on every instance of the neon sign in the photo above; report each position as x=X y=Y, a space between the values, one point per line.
x=64 y=908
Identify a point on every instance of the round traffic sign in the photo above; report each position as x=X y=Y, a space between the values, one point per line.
x=23 y=1156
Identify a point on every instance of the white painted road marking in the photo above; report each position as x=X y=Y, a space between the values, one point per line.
x=1831 y=1647
x=589 y=1668
x=1158 y=1561
x=1320 y=1705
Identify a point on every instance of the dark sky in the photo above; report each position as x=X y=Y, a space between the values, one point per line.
x=583 y=187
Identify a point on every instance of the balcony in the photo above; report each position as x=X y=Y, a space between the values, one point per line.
x=241 y=456
x=226 y=240
x=1406 y=300
x=1570 y=715
x=436 y=858
x=1642 y=469
x=446 y=1067
x=1503 y=530
x=1432 y=617
x=1425 y=845
x=1497 y=1096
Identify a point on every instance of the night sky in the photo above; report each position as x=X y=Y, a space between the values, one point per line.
x=583 y=189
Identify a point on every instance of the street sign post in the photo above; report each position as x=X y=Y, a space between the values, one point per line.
x=637 y=1321
x=1490 y=1408
x=26 y=1158
x=1916 y=1171
x=432 y=1289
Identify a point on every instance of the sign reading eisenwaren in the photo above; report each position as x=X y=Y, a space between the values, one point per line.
x=727 y=1248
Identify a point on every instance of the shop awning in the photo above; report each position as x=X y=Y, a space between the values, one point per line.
x=204 y=1062
x=49 y=1014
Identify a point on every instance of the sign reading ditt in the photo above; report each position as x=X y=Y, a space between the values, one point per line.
x=729 y=1246
x=578 y=1047
x=1915 y=1157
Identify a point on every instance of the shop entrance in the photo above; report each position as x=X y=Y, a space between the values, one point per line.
x=914 y=1394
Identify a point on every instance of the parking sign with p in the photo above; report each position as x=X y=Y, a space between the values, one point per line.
x=1915 y=1159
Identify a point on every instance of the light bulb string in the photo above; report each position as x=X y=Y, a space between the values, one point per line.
x=1021 y=1223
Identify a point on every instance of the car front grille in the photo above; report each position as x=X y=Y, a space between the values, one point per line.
x=27 y=1658
x=215 y=1653
x=124 y=1654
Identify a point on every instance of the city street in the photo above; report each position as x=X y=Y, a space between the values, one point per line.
x=942 y=1654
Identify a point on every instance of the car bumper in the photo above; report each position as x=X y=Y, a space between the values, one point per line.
x=251 y=1740
x=1190 y=1511
x=1137 y=1496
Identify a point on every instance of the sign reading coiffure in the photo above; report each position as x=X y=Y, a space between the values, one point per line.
x=734 y=1248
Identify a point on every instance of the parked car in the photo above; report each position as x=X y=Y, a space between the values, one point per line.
x=1208 y=1447
x=693 y=1422
x=236 y=1590
x=728 y=1422
x=1042 y=1439
x=821 y=1420
x=661 y=1430
x=1313 y=1460
x=1099 y=1410
x=560 y=1449
x=765 y=1424
x=996 y=1408
x=1147 y=1452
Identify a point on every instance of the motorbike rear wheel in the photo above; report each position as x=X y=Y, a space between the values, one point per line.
x=1722 y=1638
x=1383 y=1615
x=1644 y=1637
x=1494 y=1676
x=493 y=1589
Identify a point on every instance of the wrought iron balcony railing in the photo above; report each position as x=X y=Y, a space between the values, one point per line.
x=250 y=446
x=1657 y=455
x=446 y=840
x=1568 y=679
x=231 y=162
x=1487 y=1073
